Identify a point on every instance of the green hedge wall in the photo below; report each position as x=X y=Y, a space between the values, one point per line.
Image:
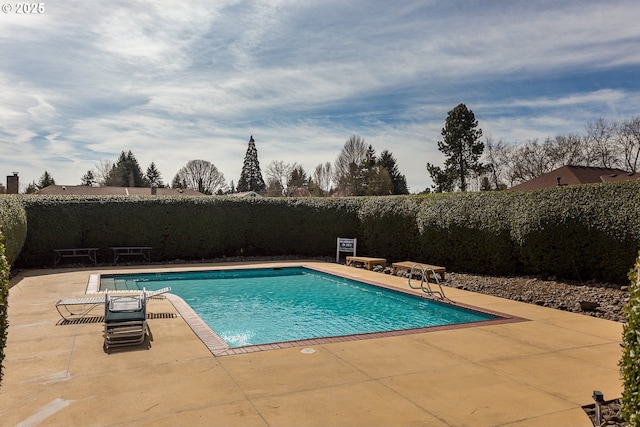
x=13 y=224
x=578 y=232
x=388 y=229
x=186 y=228
x=584 y=232
x=468 y=232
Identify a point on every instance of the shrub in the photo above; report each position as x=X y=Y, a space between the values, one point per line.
x=4 y=301
x=13 y=221
x=629 y=367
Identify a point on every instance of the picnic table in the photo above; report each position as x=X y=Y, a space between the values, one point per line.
x=90 y=253
x=143 y=251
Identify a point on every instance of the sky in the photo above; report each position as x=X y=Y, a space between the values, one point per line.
x=178 y=81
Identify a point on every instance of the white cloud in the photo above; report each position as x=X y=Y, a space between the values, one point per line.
x=178 y=81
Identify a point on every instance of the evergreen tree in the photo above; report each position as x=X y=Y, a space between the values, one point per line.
x=297 y=179
x=397 y=179
x=462 y=148
x=88 y=179
x=126 y=172
x=45 y=180
x=251 y=177
x=178 y=182
x=153 y=176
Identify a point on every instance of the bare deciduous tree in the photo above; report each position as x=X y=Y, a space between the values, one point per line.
x=278 y=173
x=102 y=170
x=200 y=175
x=322 y=176
x=627 y=135
x=347 y=168
x=600 y=134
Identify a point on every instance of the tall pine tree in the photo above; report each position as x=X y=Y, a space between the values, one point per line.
x=251 y=176
x=153 y=176
x=462 y=147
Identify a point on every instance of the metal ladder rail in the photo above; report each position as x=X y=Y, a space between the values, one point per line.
x=424 y=278
x=411 y=275
x=435 y=276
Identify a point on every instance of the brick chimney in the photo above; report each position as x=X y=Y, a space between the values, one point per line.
x=13 y=183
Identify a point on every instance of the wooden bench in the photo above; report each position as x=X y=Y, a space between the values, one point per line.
x=143 y=251
x=367 y=261
x=90 y=253
x=409 y=264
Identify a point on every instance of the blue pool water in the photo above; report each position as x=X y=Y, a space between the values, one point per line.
x=259 y=306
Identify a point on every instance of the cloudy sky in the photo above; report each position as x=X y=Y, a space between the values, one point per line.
x=174 y=81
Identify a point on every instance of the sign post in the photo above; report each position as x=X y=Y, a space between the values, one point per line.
x=345 y=245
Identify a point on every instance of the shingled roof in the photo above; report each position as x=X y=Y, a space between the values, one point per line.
x=86 y=190
x=575 y=175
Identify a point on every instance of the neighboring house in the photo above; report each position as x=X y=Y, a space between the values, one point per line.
x=245 y=194
x=86 y=190
x=575 y=175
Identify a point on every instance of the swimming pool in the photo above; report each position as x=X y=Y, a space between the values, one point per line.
x=266 y=305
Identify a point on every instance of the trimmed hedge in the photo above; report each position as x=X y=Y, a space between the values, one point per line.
x=387 y=227
x=4 y=301
x=629 y=368
x=468 y=232
x=580 y=232
x=13 y=223
x=186 y=228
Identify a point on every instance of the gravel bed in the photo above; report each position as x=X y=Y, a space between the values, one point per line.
x=603 y=300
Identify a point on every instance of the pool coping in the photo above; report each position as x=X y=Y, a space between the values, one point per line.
x=218 y=347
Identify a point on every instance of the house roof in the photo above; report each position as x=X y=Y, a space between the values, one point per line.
x=246 y=194
x=87 y=190
x=575 y=175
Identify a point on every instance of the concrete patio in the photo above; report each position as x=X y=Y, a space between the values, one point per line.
x=538 y=372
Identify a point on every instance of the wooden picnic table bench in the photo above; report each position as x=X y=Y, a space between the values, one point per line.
x=409 y=264
x=367 y=261
x=143 y=251
x=90 y=253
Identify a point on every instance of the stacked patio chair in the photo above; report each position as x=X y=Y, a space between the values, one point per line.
x=125 y=320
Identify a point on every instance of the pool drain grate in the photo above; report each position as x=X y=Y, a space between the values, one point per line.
x=100 y=319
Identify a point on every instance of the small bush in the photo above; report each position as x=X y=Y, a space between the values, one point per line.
x=4 y=301
x=629 y=367
x=13 y=221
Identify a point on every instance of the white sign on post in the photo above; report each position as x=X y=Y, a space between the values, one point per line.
x=345 y=245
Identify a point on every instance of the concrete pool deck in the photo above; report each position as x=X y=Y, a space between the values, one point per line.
x=538 y=372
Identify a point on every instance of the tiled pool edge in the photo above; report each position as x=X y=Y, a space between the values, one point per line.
x=218 y=347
